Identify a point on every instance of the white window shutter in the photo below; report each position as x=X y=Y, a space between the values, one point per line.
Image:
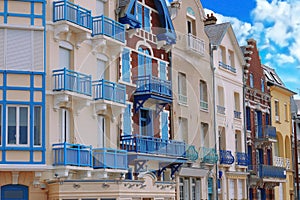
x=18 y=50
x=38 y=51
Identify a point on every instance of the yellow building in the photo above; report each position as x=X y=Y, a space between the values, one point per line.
x=281 y=119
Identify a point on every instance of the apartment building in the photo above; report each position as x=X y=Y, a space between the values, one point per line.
x=193 y=101
x=228 y=63
x=22 y=104
x=261 y=134
x=282 y=121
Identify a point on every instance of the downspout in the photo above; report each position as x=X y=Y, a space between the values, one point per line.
x=211 y=49
x=245 y=124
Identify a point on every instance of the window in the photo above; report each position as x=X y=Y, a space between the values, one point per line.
x=262 y=85
x=37 y=125
x=248 y=118
x=286 y=112
x=17 y=125
x=204 y=137
x=144 y=63
x=182 y=92
x=146 y=122
x=127 y=121
x=181 y=189
x=99 y=7
x=65 y=125
x=144 y=17
x=164 y=126
x=237 y=113
x=231 y=58
x=126 y=65
x=162 y=70
x=64 y=58
x=277 y=110
x=222 y=54
x=1 y=125
x=14 y=192
x=189 y=187
x=251 y=80
x=238 y=141
x=22 y=51
x=101 y=131
x=203 y=95
x=222 y=138
x=182 y=129
x=220 y=103
x=100 y=69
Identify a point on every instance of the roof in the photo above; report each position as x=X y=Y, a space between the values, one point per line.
x=216 y=32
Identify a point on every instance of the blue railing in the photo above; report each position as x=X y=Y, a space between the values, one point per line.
x=152 y=145
x=72 y=154
x=151 y=84
x=104 y=158
x=65 y=10
x=266 y=132
x=226 y=158
x=191 y=153
x=271 y=171
x=103 y=89
x=103 y=25
x=65 y=79
x=208 y=155
x=241 y=159
x=228 y=67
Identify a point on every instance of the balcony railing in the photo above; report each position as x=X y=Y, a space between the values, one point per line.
x=68 y=80
x=221 y=109
x=265 y=132
x=152 y=145
x=203 y=105
x=191 y=153
x=72 y=154
x=103 y=25
x=227 y=67
x=182 y=99
x=103 y=89
x=226 y=158
x=65 y=10
x=281 y=162
x=195 y=44
x=237 y=114
x=269 y=171
x=104 y=158
x=154 y=85
x=241 y=159
x=208 y=155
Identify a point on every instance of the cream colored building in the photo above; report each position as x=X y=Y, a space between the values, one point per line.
x=193 y=100
x=228 y=62
x=282 y=120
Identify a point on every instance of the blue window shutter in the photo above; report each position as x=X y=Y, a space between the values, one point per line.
x=164 y=126
x=250 y=167
x=140 y=13
x=259 y=123
x=267 y=119
x=141 y=65
x=147 y=19
x=127 y=120
x=148 y=66
x=162 y=71
x=248 y=118
x=126 y=65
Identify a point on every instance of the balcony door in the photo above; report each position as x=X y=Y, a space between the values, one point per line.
x=146 y=126
x=65 y=56
x=101 y=131
x=65 y=125
x=144 y=62
x=258 y=124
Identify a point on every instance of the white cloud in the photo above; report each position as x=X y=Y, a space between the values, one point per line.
x=283 y=59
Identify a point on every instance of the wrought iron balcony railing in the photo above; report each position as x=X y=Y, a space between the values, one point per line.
x=65 y=10
x=107 y=90
x=152 y=145
x=241 y=159
x=269 y=171
x=227 y=67
x=103 y=25
x=208 y=155
x=226 y=158
x=69 y=80
x=265 y=132
x=203 y=105
x=237 y=114
x=221 y=109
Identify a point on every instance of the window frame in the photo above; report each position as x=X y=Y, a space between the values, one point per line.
x=40 y=126
x=182 y=88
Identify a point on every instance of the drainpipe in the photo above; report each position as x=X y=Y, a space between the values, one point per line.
x=245 y=128
x=211 y=49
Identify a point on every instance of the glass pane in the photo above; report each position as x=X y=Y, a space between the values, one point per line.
x=13 y=194
x=11 y=125
x=37 y=125
x=23 y=127
x=64 y=58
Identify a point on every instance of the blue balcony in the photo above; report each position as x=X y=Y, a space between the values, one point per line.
x=266 y=132
x=208 y=155
x=72 y=154
x=241 y=159
x=68 y=80
x=191 y=153
x=65 y=10
x=103 y=25
x=227 y=67
x=226 y=158
x=152 y=145
x=269 y=171
x=104 y=158
x=106 y=90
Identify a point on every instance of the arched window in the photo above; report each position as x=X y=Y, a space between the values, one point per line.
x=19 y=192
x=144 y=62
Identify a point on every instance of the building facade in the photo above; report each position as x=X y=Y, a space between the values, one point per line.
x=228 y=63
x=282 y=120
x=261 y=135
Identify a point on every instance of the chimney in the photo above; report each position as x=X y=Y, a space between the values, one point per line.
x=210 y=20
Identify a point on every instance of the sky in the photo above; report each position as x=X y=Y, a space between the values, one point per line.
x=274 y=24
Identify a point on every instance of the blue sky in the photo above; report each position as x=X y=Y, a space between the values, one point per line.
x=274 y=24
